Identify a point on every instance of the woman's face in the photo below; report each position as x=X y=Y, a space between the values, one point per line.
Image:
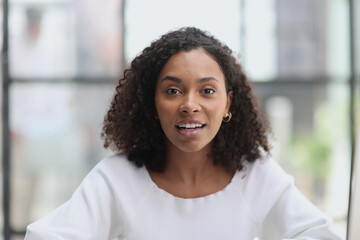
x=191 y=100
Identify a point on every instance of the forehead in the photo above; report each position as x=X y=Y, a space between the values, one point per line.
x=196 y=62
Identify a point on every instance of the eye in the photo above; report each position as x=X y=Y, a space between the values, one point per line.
x=208 y=91
x=173 y=91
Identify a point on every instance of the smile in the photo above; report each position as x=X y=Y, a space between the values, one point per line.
x=190 y=126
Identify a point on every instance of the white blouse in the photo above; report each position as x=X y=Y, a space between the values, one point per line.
x=118 y=200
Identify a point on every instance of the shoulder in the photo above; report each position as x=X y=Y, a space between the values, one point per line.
x=118 y=166
x=262 y=183
x=265 y=170
x=121 y=176
x=115 y=160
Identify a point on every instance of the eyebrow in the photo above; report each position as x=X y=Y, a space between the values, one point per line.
x=178 y=80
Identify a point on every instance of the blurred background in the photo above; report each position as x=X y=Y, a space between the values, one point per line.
x=65 y=57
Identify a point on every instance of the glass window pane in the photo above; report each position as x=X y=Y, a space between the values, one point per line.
x=99 y=41
x=219 y=18
x=55 y=130
x=42 y=43
x=338 y=47
x=296 y=39
x=301 y=38
x=259 y=40
x=61 y=39
x=310 y=122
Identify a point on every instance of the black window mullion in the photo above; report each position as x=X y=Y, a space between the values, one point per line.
x=5 y=123
x=352 y=90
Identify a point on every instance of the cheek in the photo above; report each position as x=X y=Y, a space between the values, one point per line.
x=217 y=109
x=165 y=111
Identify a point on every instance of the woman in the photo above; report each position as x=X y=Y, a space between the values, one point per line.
x=193 y=157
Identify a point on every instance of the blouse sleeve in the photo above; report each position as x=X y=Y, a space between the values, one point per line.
x=91 y=213
x=294 y=217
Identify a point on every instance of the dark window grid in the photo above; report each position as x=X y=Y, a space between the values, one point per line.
x=8 y=230
x=352 y=82
x=281 y=83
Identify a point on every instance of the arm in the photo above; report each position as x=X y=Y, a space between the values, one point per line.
x=91 y=213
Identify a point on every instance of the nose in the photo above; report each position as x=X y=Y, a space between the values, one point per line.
x=190 y=104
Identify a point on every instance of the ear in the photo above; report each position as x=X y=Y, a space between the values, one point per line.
x=229 y=101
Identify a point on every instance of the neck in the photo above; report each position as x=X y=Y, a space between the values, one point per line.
x=190 y=168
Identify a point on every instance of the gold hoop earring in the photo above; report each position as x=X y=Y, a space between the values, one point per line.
x=227 y=118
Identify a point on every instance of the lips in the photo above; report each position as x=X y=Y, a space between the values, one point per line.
x=190 y=128
x=190 y=125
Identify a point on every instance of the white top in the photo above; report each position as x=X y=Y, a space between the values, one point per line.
x=118 y=200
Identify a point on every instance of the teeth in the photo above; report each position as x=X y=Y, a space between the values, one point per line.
x=190 y=125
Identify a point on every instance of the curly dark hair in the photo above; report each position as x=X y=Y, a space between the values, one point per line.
x=130 y=125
